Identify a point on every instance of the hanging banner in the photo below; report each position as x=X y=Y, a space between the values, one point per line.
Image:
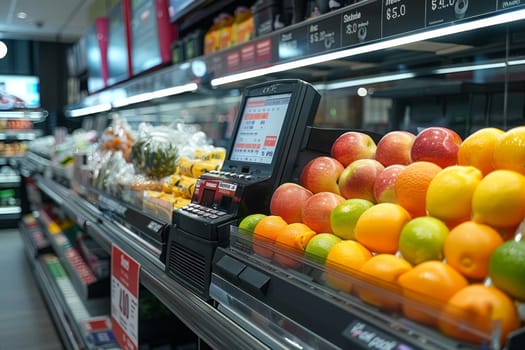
x=124 y=298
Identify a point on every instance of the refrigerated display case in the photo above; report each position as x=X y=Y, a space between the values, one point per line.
x=380 y=66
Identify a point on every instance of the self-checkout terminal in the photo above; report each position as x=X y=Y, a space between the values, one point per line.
x=270 y=131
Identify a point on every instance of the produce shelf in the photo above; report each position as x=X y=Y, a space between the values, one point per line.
x=67 y=309
x=271 y=290
x=202 y=318
x=86 y=283
x=35 y=242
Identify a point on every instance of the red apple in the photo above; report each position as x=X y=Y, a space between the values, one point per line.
x=353 y=145
x=321 y=174
x=288 y=200
x=358 y=178
x=438 y=145
x=394 y=148
x=317 y=210
x=384 y=186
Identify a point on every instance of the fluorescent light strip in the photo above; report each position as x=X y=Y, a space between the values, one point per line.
x=148 y=96
x=408 y=39
x=176 y=90
x=104 y=107
x=516 y=62
x=364 y=81
x=469 y=68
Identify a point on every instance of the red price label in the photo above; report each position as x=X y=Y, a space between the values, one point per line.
x=124 y=298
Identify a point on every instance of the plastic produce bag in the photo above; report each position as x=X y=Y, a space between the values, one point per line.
x=156 y=150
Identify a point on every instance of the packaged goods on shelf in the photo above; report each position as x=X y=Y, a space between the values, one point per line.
x=243 y=27
x=118 y=137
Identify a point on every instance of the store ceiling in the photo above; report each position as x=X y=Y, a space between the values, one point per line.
x=46 y=20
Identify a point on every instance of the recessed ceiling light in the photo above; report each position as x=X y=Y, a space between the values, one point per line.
x=21 y=15
x=3 y=49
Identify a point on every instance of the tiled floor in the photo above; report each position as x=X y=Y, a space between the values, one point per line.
x=24 y=320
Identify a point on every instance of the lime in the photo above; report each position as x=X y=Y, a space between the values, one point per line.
x=422 y=239
x=319 y=246
x=344 y=217
x=507 y=268
x=247 y=225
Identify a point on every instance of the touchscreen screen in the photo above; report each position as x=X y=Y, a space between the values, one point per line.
x=259 y=129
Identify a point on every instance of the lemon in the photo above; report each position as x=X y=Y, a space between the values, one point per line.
x=478 y=149
x=507 y=268
x=422 y=239
x=247 y=225
x=449 y=194
x=499 y=199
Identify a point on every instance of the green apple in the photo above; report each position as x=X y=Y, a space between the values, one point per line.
x=319 y=246
x=344 y=217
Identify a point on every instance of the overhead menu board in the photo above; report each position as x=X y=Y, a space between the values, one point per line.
x=150 y=34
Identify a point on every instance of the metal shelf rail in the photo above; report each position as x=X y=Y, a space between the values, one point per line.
x=207 y=322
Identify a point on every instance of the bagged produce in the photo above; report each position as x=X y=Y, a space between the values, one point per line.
x=156 y=150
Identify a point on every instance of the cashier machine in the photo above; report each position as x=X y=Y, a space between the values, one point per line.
x=270 y=130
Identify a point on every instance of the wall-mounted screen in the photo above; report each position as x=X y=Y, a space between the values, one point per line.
x=179 y=7
x=259 y=129
x=150 y=34
x=19 y=91
x=96 y=47
x=118 y=57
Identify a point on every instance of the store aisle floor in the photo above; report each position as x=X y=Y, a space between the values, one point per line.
x=24 y=320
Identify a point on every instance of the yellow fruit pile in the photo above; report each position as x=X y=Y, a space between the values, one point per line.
x=442 y=249
x=178 y=188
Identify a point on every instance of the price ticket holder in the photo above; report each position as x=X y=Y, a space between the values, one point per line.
x=270 y=130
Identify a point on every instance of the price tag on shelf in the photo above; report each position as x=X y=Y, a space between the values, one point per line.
x=444 y=11
x=402 y=16
x=124 y=298
x=360 y=24
x=324 y=35
x=505 y=4
x=292 y=44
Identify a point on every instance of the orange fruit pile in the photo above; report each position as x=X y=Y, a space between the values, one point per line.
x=450 y=229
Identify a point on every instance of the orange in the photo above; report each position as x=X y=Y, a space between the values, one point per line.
x=468 y=248
x=293 y=238
x=411 y=186
x=427 y=287
x=345 y=257
x=478 y=149
x=379 y=227
x=509 y=152
x=449 y=194
x=382 y=290
x=469 y=314
x=499 y=199
x=265 y=232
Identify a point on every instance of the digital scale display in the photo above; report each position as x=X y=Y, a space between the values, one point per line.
x=259 y=129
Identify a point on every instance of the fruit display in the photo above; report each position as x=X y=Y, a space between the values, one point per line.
x=177 y=189
x=426 y=226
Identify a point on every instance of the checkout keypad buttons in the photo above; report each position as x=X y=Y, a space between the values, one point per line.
x=203 y=211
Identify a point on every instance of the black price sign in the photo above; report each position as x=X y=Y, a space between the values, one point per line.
x=444 y=11
x=292 y=44
x=505 y=4
x=401 y=16
x=324 y=35
x=360 y=24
